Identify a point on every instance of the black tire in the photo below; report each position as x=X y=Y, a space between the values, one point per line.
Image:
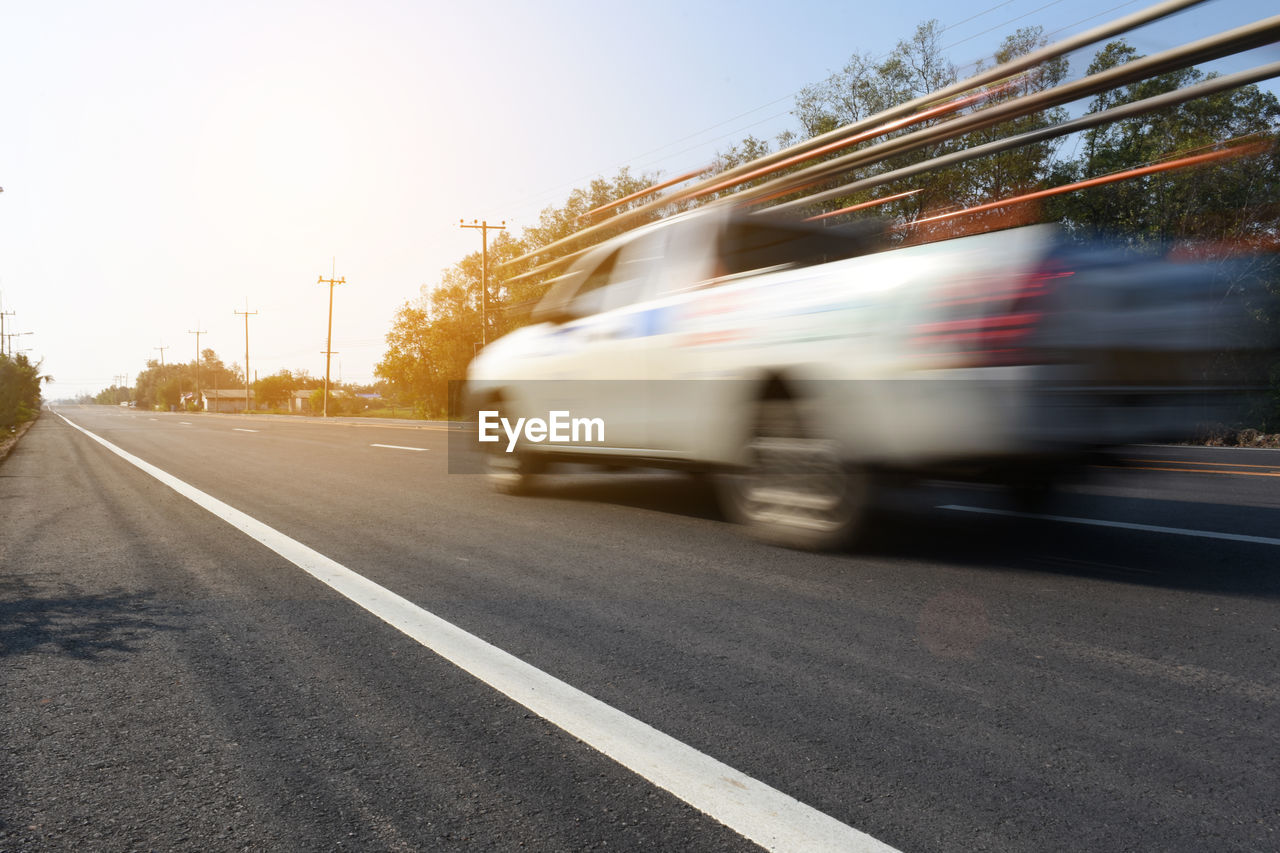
x=514 y=473
x=795 y=491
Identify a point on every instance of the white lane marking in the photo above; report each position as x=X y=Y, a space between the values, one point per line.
x=399 y=447
x=185 y=423
x=749 y=807
x=242 y=429
x=1123 y=525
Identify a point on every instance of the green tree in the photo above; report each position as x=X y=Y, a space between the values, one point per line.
x=113 y=396
x=339 y=404
x=866 y=87
x=431 y=342
x=1235 y=201
x=168 y=392
x=19 y=390
x=275 y=391
x=1026 y=168
x=746 y=151
x=215 y=374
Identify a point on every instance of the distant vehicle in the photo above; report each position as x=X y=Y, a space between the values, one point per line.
x=126 y=404
x=800 y=363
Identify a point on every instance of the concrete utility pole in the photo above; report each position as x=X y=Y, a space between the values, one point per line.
x=4 y=314
x=162 y=349
x=9 y=337
x=247 y=314
x=328 y=344
x=197 y=333
x=485 y=228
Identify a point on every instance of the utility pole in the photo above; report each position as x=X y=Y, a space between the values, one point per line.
x=485 y=228
x=4 y=314
x=9 y=337
x=197 y=333
x=247 y=314
x=328 y=344
x=162 y=349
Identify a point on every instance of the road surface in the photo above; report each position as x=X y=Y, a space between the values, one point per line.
x=257 y=670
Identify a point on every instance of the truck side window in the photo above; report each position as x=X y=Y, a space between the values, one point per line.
x=633 y=275
x=589 y=299
x=751 y=245
x=688 y=260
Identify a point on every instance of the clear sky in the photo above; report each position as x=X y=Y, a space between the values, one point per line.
x=166 y=163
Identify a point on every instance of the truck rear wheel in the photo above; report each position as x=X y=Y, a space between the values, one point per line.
x=795 y=489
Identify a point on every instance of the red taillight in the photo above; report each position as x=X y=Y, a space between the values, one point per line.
x=988 y=321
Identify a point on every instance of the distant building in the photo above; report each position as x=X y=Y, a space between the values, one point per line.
x=223 y=401
x=301 y=402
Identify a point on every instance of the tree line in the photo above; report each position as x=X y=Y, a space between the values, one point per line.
x=173 y=386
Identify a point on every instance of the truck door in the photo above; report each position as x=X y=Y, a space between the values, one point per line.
x=601 y=367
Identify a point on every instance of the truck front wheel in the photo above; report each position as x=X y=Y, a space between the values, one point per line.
x=512 y=473
x=509 y=473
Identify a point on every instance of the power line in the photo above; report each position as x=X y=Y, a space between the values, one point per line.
x=1003 y=24
x=979 y=15
x=633 y=161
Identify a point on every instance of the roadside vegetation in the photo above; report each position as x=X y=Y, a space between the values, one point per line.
x=173 y=387
x=20 y=382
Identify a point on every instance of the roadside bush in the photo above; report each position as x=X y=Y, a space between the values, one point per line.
x=19 y=390
x=338 y=405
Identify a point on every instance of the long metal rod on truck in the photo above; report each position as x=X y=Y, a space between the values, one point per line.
x=999 y=72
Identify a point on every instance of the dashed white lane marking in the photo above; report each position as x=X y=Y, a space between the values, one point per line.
x=399 y=447
x=242 y=429
x=751 y=808
x=184 y=423
x=1123 y=525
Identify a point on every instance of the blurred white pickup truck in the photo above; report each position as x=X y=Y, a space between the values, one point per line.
x=798 y=362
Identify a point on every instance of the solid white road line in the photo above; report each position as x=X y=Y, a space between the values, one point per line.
x=1123 y=525
x=242 y=429
x=399 y=447
x=751 y=808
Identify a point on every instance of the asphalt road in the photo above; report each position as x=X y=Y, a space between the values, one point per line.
x=970 y=681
